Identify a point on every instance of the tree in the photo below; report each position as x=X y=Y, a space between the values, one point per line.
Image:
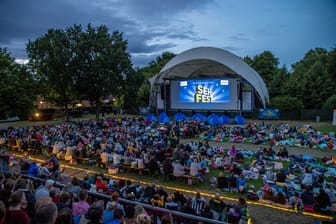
x=330 y=103
x=105 y=64
x=50 y=57
x=132 y=98
x=286 y=103
x=17 y=88
x=266 y=65
x=156 y=65
x=76 y=64
x=312 y=79
x=147 y=72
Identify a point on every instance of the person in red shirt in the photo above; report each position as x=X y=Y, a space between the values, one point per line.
x=100 y=185
x=15 y=213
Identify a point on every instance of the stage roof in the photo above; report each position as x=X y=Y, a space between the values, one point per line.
x=210 y=62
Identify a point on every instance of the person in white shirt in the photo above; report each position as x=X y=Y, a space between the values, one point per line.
x=178 y=169
x=104 y=156
x=307 y=179
x=194 y=167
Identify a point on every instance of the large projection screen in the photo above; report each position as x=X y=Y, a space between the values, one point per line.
x=204 y=94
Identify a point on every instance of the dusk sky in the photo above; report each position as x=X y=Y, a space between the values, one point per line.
x=287 y=28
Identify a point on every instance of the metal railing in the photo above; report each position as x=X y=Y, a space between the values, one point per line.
x=155 y=211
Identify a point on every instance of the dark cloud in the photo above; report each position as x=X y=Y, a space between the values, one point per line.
x=141 y=60
x=141 y=21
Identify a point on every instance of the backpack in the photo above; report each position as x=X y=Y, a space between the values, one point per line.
x=252 y=196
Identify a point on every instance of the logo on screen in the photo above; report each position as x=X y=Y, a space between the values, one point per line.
x=204 y=91
x=202 y=95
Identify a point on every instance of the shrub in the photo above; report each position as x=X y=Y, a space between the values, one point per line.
x=330 y=103
x=286 y=103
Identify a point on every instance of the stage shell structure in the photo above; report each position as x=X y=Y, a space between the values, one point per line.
x=207 y=79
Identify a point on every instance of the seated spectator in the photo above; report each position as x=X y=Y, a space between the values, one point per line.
x=222 y=181
x=2 y=213
x=219 y=162
x=268 y=195
x=167 y=219
x=74 y=187
x=233 y=183
x=46 y=213
x=64 y=216
x=179 y=198
x=95 y=213
x=118 y=217
x=197 y=203
x=242 y=183
x=109 y=212
x=130 y=214
x=227 y=161
x=6 y=191
x=153 y=166
x=307 y=178
x=22 y=185
x=207 y=212
x=319 y=181
x=43 y=191
x=43 y=172
x=104 y=158
x=139 y=210
x=280 y=198
x=295 y=201
x=65 y=201
x=178 y=169
x=33 y=169
x=216 y=205
x=171 y=205
x=157 y=200
x=307 y=197
x=143 y=219
x=328 y=189
x=269 y=177
x=115 y=198
x=186 y=208
x=16 y=212
x=322 y=201
x=100 y=185
x=281 y=176
x=81 y=207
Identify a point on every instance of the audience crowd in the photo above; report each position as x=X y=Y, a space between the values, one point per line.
x=133 y=142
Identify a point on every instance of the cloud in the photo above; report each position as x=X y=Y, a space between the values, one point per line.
x=239 y=37
x=141 y=21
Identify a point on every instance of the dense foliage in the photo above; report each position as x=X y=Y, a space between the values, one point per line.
x=17 y=88
x=80 y=64
x=286 y=103
x=312 y=80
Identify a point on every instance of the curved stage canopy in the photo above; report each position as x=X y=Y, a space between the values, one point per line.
x=210 y=62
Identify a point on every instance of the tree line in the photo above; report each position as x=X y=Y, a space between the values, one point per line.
x=93 y=64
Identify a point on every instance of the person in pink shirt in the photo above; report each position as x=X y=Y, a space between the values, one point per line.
x=81 y=207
